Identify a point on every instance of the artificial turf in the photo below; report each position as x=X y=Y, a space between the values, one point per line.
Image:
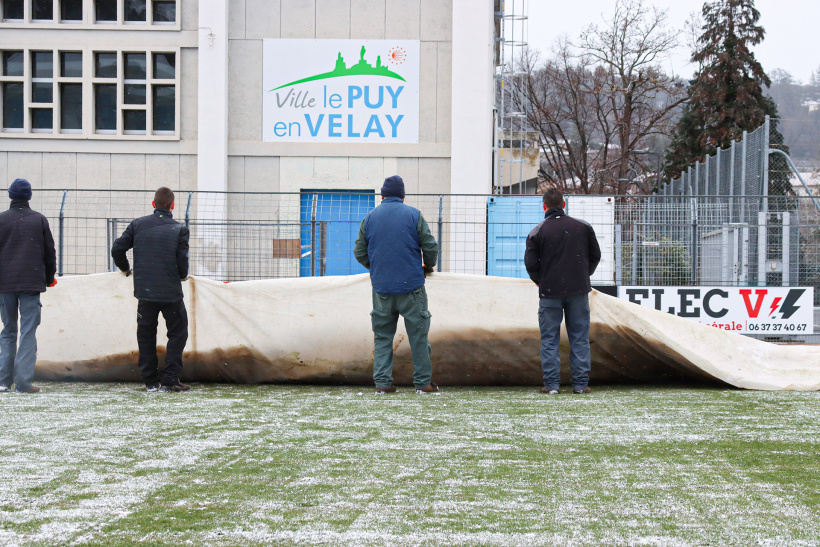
x=109 y=464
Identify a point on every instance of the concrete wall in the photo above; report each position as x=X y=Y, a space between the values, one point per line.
x=264 y=166
x=100 y=171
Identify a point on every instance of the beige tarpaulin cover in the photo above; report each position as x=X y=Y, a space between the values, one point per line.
x=317 y=330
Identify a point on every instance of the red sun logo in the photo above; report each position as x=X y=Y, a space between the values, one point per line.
x=396 y=56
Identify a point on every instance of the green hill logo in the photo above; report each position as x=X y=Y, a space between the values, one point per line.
x=362 y=68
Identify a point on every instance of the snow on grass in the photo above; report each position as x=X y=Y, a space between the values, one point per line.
x=108 y=464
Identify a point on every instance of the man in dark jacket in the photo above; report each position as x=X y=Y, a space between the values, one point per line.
x=396 y=245
x=562 y=253
x=160 y=264
x=27 y=265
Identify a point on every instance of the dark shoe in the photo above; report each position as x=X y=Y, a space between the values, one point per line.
x=174 y=387
x=432 y=388
x=31 y=389
x=582 y=391
x=549 y=391
x=383 y=390
x=151 y=388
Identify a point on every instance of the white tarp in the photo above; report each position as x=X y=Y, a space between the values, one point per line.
x=317 y=330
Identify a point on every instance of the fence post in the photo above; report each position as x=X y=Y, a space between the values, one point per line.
x=743 y=194
x=634 y=254
x=60 y=235
x=732 y=182
x=765 y=166
x=762 y=243
x=786 y=226
x=618 y=255
x=440 y=229
x=706 y=178
x=313 y=236
x=188 y=210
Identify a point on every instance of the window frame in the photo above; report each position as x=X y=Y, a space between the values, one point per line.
x=88 y=104
x=89 y=18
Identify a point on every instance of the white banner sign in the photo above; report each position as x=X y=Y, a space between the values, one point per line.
x=340 y=91
x=754 y=310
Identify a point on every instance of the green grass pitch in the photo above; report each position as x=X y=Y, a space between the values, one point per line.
x=109 y=464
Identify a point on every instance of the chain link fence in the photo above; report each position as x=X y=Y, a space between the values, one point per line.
x=660 y=240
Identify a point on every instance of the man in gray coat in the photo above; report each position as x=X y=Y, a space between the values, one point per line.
x=27 y=265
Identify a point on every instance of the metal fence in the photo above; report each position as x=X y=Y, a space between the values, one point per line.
x=667 y=240
x=647 y=240
x=740 y=215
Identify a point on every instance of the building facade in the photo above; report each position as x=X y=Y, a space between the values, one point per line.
x=133 y=94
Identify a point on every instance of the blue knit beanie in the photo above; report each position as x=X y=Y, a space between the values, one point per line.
x=393 y=187
x=20 y=189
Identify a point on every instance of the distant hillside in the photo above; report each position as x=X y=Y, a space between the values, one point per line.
x=799 y=108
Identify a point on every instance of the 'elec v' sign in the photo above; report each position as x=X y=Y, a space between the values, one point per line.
x=340 y=91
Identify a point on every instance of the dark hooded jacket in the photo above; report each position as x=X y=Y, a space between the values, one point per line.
x=160 y=256
x=27 y=258
x=562 y=253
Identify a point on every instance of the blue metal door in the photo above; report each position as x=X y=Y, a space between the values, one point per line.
x=509 y=220
x=329 y=226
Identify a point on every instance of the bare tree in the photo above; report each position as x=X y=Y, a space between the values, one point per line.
x=597 y=101
x=629 y=47
x=563 y=102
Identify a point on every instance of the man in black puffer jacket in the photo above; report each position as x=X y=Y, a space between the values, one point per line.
x=27 y=265
x=160 y=265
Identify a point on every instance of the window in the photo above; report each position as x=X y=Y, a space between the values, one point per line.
x=165 y=11
x=71 y=91
x=71 y=11
x=42 y=90
x=12 y=105
x=42 y=10
x=105 y=65
x=119 y=94
x=13 y=100
x=71 y=107
x=12 y=10
x=140 y=112
x=164 y=66
x=12 y=63
x=164 y=96
x=71 y=64
x=135 y=11
x=121 y=13
x=105 y=11
x=105 y=107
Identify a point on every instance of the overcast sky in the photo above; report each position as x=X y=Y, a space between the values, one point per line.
x=792 y=39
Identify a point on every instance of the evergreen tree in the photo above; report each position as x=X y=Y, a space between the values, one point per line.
x=726 y=96
x=815 y=78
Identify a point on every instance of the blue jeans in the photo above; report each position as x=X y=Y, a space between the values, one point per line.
x=17 y=365
x=575 y=310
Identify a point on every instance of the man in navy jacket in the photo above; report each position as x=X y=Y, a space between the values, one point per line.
x=160 y=264
x=27 y=265
x=562 y=253
x=396 y=245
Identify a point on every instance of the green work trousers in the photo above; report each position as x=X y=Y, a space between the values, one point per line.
x=385 y=317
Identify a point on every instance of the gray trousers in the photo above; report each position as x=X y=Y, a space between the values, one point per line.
x=17 y=364
x=385 y=318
